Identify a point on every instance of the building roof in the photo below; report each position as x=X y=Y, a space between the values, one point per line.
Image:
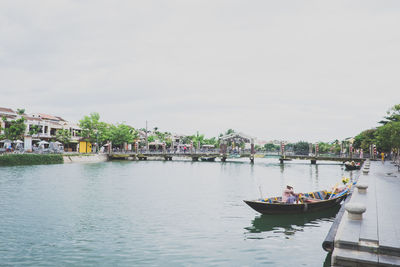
x=32 y=118
x=9 y=116
x=48 y=117
x=59 y=118
x=8 y=110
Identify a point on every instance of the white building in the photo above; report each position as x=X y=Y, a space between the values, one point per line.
x=48 y=125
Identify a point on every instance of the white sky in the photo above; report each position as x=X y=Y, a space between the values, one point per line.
x=293 y=70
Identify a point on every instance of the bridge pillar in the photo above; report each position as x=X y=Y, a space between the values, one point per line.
x=195 y=158
x=281 y=160
x=223 y=158
x=313 y=161
x=252 y=159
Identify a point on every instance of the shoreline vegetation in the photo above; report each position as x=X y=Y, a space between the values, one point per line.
x=30 y=159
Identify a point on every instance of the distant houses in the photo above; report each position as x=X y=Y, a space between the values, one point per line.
x=46 y=125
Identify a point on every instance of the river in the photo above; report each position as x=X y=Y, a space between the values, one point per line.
x=156 y=213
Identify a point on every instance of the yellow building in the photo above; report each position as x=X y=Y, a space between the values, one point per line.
x=85 y=147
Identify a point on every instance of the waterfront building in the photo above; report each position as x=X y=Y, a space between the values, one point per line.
x=47 y=126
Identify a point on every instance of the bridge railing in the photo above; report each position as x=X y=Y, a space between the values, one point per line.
x=181 y=152
x=330 y=155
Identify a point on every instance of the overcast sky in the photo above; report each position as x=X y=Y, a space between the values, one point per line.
x=293 y=70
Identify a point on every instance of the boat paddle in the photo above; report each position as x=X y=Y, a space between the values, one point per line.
x=261 y=194
x=333 y=191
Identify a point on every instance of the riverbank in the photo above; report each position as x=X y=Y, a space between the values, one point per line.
x=82 y=158
x=44 y=159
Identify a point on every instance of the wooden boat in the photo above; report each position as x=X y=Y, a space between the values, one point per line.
x=350 y=166
x=308 y=202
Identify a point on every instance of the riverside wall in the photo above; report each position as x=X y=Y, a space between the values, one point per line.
x=89 y=158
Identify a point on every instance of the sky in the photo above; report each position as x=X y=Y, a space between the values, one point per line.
x=276 y=70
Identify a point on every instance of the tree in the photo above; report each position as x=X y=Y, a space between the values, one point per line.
x=63 y=136
x=388 y=136
x=324 y=147
x=186 y=139
x=301 y=148
x=271 y=147
x=335 y=147
x=212 y=141
x=230 y=131
x=90 y=127
x=122 y=133
x=393 y=114
x=365 y=139
x=103 y=133
x=198 y=140
x=14 y=129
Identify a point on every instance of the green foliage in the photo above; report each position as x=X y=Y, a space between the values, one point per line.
x=93 y=130
x=365 y=139
x=212 y=141
x=15 y=129
x=30 y=159
x=90 y=127
x=392 y=115
x=122 y=133
x=271 y=147
x=34 y=130
x=186 y=139
x=230 y=131
x=198 y=139
x=63 y=136
x=324 y=147
x=259 y=148
x=301 y=148
x=335 y=147
x=104 y=133
x=20 y=111
x=388 y=136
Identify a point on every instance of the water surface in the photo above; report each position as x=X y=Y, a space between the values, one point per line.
x=157 y=213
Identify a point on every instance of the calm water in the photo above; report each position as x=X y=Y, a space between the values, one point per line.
x=159 y=214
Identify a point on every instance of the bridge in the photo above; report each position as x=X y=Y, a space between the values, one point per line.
x=168 y=156
x=314 y=158
x=227 y=149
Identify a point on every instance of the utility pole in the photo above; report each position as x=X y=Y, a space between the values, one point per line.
x=147 y=141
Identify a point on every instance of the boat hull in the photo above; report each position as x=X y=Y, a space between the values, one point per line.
x=285 y=208
x=352 y=167
x=210 y=159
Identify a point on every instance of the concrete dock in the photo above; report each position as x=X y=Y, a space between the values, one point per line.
x=369 y=231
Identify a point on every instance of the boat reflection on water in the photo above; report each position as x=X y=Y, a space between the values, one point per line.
x=289 y=224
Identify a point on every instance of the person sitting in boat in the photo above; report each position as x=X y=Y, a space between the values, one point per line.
x=288 y=195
